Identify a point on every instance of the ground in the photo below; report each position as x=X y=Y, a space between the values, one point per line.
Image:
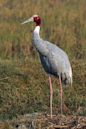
x=43 y=121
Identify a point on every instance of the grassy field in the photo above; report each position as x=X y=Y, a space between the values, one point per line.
x=23 y=83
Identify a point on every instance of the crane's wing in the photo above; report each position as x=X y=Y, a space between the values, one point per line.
x=57 y=57
x=56 y=61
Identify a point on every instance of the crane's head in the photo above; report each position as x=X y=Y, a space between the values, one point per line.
x=34 y=18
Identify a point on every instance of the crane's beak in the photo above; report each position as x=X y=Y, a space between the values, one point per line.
x=28 y=20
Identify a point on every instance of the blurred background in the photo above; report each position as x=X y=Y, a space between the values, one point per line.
x=23 y=83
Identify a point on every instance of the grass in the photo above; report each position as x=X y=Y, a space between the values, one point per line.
x=23 y=83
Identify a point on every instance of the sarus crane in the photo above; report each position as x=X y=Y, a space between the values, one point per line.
x=53 y=59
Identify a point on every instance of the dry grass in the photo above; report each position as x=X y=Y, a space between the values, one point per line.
x=43 y=121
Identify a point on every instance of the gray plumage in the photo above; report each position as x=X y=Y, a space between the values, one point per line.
x=53 y=59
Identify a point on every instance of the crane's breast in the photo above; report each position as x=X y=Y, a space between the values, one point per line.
x=47 y=65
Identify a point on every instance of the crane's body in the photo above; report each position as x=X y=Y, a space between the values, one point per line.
x=53 y=59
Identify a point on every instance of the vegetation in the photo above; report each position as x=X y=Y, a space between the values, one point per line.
x=23 y=83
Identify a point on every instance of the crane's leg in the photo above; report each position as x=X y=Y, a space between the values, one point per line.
x=61 y=94
x=51 y=96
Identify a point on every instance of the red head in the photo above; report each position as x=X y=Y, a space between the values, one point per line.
x=37 y=20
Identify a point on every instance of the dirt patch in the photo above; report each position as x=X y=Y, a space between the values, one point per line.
x=43 y=121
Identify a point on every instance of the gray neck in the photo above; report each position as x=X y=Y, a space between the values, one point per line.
x=38 y=42
x=36 y=37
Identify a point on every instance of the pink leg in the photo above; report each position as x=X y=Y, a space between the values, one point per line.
x=61 y=94
x=51 y=96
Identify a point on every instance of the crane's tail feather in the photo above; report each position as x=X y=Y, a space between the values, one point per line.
x=67 y=81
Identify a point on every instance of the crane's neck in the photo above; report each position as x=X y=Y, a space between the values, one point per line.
x=36 y=30
x=36 y=37
x=38 y=42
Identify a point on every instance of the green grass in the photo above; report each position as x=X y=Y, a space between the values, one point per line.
x=23 y=83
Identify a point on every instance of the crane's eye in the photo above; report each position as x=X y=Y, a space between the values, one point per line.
x=36 y=19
